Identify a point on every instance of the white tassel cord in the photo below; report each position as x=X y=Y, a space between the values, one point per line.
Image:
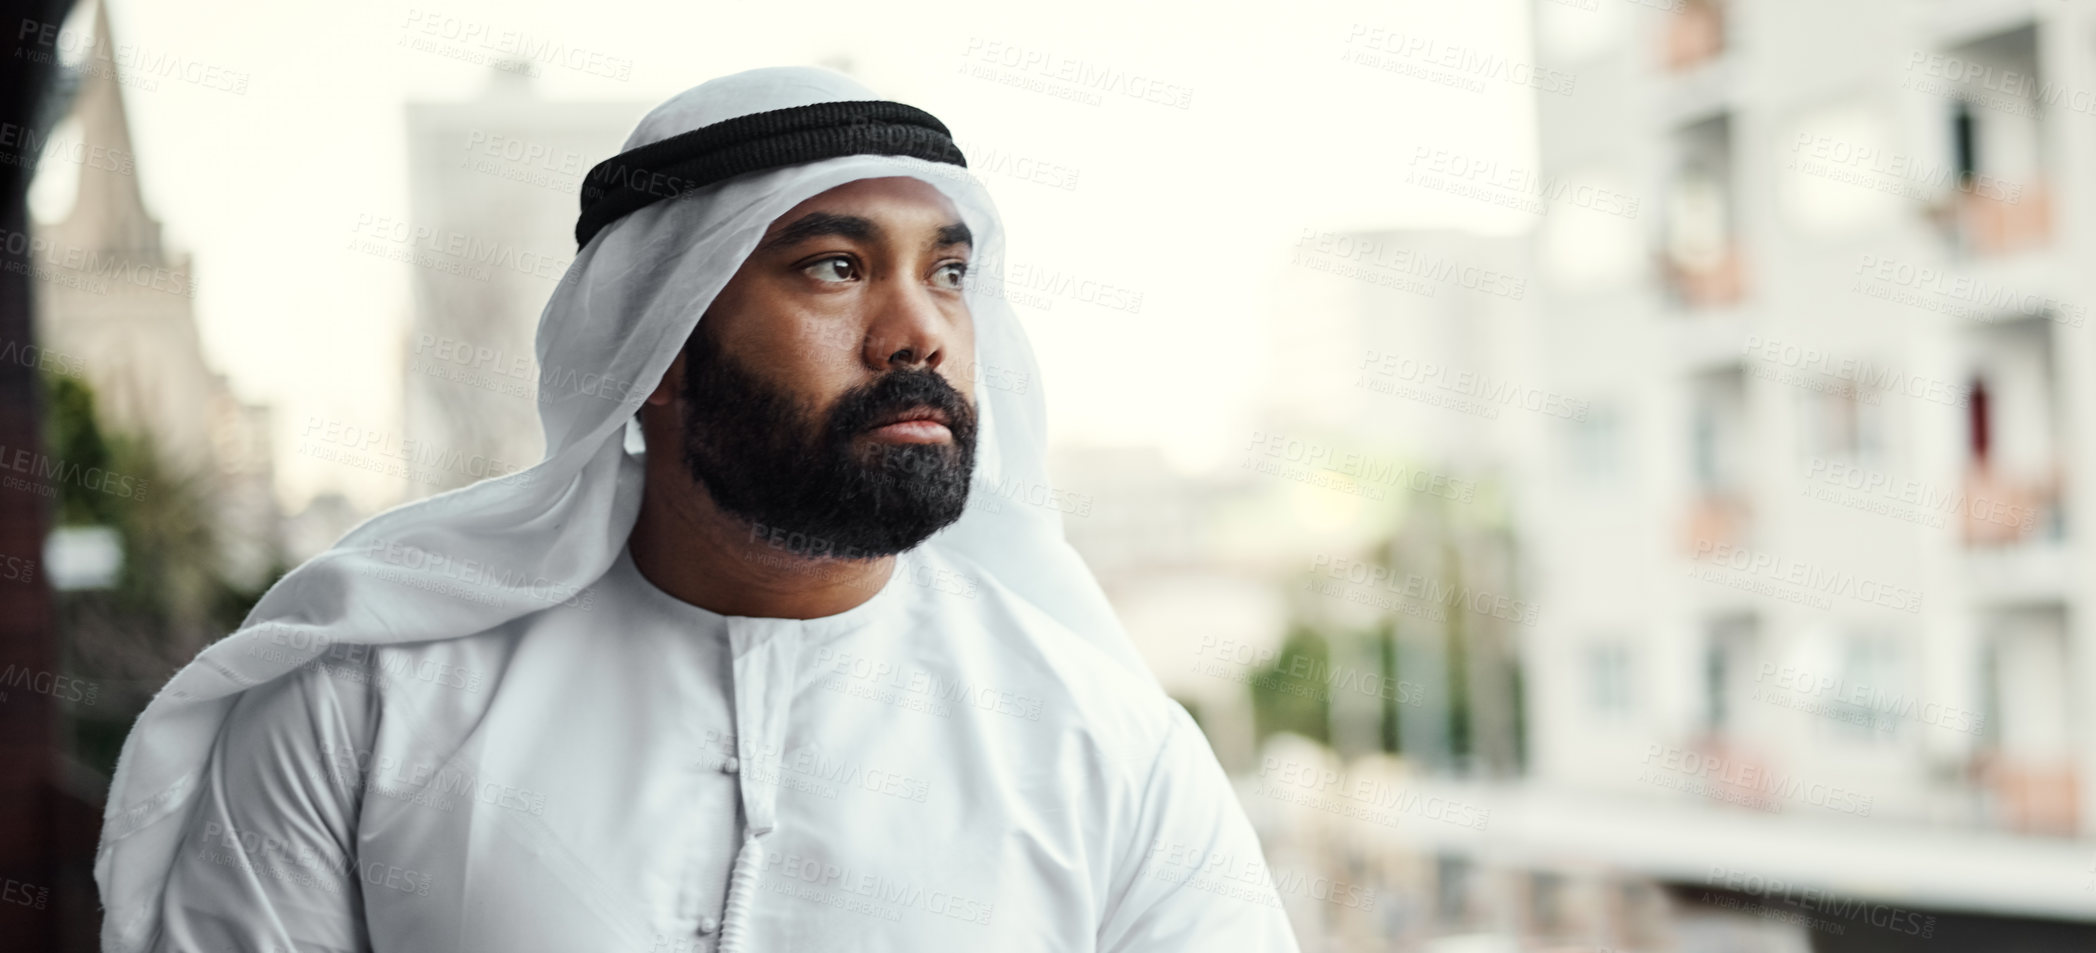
x=742 y=885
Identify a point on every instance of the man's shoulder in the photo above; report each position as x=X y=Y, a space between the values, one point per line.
x=1039 y=668
x=363 y=676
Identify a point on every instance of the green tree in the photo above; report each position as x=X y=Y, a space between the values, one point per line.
x=1286 y=702
x=171 y=597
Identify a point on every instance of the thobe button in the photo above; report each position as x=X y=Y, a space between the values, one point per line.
x=708 y=924
x=730 y=766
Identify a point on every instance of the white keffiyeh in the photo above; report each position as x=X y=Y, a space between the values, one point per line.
x=462 y=562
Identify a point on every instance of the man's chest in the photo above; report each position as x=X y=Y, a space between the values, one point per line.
x=608 y=815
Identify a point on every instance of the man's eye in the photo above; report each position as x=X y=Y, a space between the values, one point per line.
x=950 y=274
x=833 y=269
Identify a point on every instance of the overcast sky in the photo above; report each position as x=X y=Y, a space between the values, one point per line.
x=1194 y=206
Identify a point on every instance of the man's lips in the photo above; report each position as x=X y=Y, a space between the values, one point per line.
x=916 y=425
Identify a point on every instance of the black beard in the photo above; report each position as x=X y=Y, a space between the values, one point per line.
x=800 y=481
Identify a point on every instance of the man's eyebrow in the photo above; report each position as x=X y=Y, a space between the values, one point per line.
x=817 y=224
x=955 y=234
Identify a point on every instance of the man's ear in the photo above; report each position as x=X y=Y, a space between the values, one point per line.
x=671 y=385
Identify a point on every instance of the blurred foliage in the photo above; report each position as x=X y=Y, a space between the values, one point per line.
x=1458 y=704
x=1285 y=702
x=1458 y=691
x=1518 y=677
x=1193 y=710
x=171 y=597
x=1391 y=731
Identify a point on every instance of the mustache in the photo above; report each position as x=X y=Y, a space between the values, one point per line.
x=857 y=409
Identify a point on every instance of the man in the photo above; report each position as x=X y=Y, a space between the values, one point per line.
x=800 y=663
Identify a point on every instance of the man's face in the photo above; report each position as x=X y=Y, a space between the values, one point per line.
x=825 y=390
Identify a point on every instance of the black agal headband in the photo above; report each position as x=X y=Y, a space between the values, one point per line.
x=768 y=140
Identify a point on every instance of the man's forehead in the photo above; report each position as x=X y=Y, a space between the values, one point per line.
x=857 y=210
x=890 y=194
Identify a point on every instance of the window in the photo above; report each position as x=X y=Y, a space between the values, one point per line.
x=1995 y=190
x=1595 y=446
x=1728 y=665
x=1841 y=420
x=1873 y=692
x=1701 y=254
x=1608 y=679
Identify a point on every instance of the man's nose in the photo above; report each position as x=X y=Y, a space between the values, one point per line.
x=909 y=329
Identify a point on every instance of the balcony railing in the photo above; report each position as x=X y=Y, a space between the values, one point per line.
x=2005 y=510
x=1696 y=34
x=2030 y=797
x=1715 y=283
x=1990 y=222
x=1715 y=519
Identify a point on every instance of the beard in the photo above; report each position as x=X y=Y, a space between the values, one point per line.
x=799 y=476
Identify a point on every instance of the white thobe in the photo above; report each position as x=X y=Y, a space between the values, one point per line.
x=939 y=768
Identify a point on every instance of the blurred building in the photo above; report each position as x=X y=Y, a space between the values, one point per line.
x=1401 y=403
x=117 y=308
x=493 y=196
x=1814 y=639
x=1784 y=403
x=326 y=518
